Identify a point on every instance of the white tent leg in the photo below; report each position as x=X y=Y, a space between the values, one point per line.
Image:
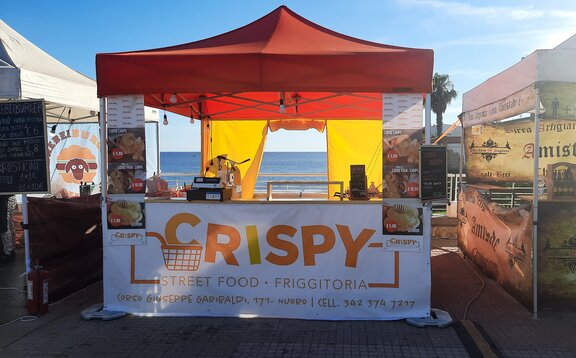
x=104 y=181
x=462 y=158
x=428 y=119
x=26 y=232
x=535 y=204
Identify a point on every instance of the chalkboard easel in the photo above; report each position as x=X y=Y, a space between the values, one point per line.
x=23 y=153
x=433 y=173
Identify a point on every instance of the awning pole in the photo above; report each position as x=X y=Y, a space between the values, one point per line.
x=461 y=161
x=26 y=232
x=535 y=203
x=103 y=190
x=103 y=159
x=158 y=147
x=428 y=119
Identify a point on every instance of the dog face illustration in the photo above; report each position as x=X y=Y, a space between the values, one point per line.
x=77 y=166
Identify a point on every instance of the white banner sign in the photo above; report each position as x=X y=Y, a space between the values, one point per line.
x=320 y=261
x=126 y=111
x=126 y=164
x=402 y=111
x=518 y=103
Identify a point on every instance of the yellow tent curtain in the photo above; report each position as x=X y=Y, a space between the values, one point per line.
x=350 y=143
x=240 y=140
x=205 y=153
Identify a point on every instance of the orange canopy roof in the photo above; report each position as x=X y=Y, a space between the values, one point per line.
x=244 y=72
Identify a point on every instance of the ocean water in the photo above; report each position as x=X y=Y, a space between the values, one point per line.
x=276 y=166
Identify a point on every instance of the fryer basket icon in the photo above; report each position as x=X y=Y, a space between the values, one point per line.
x=179 y=257
x=182 y=257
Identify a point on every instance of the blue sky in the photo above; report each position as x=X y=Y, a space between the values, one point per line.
x=472 y=40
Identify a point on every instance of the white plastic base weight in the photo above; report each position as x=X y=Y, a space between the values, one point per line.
x=437 y=318
x=96 y=311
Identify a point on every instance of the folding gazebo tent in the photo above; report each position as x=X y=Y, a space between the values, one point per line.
x=537 y=85
x=245 y=73
x=71 y=104
x=280 y=69
x=281 y=51
x=28 y=72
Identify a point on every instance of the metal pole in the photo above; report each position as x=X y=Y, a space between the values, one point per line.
x=535 y=203
x=104 y=189
x=103 y=146
x=26 y=233
x=462 y=153
x=428 y=118
x=158 y=147
x=427 y=207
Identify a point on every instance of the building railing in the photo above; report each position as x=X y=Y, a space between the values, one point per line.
x=327 y=183
x=177 y=179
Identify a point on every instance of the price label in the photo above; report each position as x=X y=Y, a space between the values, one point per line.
x=115 y=220
x=392 y=156
x=117 y=153
x=212 y=196
x=390 y=225
x=137 y=185
x=412 y=189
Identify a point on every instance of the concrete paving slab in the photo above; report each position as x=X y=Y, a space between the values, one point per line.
x=509 y=328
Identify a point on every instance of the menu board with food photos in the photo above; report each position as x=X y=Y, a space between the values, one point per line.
x=402 y=137
x=126 y=142
x=401 y=155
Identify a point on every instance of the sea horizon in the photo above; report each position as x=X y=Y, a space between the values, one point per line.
x=275 y=166
x=269 y=151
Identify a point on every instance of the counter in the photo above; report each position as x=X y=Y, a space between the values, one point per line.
x=295 y=259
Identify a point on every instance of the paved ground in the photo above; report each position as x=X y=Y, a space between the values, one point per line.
x=510 y=330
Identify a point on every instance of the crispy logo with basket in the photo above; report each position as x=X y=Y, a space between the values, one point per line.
x=178 y=256
x=182 y=257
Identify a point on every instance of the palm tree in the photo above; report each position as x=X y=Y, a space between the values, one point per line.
x=443 y=93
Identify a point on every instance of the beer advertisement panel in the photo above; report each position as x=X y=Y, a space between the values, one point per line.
x=505 y=152
x=499 y=240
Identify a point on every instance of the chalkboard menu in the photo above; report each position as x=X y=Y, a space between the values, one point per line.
x=23 y=160
x=358 y=188
x=433 y=172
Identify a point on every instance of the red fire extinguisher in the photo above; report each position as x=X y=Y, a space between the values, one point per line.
x=37 y=287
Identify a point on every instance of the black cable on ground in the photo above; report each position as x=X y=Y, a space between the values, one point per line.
x=22 y=318
x=473 y=270
x=12 y=289
x=476 y=341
